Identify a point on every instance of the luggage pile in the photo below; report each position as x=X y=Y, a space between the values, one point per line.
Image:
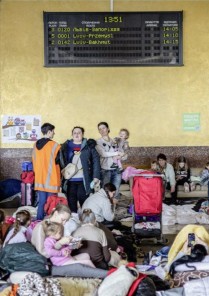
x=27 y=184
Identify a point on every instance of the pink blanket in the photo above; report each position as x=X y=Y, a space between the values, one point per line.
x=130 y=172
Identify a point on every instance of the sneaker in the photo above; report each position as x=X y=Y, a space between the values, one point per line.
x=186 y=187
x=166 y=201
x=114 y=166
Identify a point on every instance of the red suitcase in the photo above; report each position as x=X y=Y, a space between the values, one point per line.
x=148 y=193
x=27 y=194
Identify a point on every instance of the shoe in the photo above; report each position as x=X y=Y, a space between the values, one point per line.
x=186 y=187
x=178 y=203
x=173 y=202
x=114 y=166
x=140 y=253
x=192 y=186
x=167 y=201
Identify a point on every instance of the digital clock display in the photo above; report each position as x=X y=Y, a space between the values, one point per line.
x=113 y=19
x=113 y=39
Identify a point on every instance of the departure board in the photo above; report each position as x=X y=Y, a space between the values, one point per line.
x=113 y=39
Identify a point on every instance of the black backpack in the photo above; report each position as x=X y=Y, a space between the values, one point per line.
x=23 y=257
x=198 y=252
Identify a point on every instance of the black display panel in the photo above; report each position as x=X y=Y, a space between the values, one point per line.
x=113 y=39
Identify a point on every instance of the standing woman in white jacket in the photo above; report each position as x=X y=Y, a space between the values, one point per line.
x=105 y=148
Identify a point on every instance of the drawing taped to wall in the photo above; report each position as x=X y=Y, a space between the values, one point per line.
x=20 y=128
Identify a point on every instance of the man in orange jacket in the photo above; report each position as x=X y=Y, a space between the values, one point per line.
x=47 y=172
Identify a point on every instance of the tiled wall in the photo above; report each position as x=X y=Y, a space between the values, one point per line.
x=11 y=159
x=197 y=156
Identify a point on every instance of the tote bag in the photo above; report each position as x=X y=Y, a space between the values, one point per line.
x=70 y=170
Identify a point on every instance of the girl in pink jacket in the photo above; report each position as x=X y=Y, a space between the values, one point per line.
x=54 y=232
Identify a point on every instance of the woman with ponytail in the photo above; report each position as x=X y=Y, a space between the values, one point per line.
x=18 y=233
x=60 y=214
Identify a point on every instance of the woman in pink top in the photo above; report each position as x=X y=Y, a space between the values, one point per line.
x=54 y=232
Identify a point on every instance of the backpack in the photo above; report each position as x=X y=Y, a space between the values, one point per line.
x=28 y=177
x=27 y=166
x=52 y=201
x=23 y=257
x=118 y=282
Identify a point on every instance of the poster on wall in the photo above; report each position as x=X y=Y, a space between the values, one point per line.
x=20 y=128
x=191 y=122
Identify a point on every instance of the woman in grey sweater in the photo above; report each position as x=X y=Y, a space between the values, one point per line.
x=102 y=203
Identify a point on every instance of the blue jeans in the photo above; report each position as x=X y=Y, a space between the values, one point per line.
x=111 y=176
x=42 y=198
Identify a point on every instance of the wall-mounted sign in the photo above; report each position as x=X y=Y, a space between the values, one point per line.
x=113 y=39
x=191 y=122
x=20 y=128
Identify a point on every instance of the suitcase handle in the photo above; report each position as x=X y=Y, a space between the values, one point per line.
x=150 y=175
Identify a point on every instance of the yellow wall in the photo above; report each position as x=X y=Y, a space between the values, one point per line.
x=149 y=101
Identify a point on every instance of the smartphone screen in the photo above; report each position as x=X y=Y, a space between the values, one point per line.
x=191 y=240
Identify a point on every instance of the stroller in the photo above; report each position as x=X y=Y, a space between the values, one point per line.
x=148 y=192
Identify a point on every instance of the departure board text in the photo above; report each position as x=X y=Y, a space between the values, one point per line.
x=113 y=39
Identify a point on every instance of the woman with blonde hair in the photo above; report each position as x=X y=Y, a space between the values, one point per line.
x=61 y=214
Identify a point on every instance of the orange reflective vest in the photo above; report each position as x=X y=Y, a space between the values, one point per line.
x=47 y=172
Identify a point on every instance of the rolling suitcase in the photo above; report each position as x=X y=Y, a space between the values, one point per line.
x=27 y=188
x=148 y=194
x=27 y=194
